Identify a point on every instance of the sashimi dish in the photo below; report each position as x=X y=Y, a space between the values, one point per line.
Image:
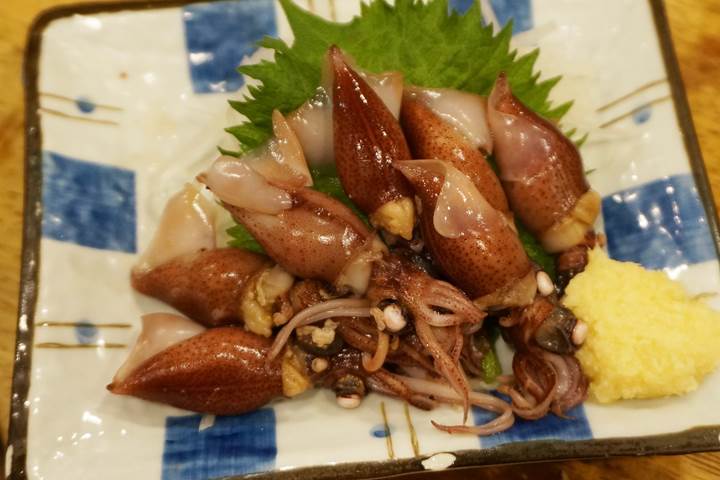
x=387 y=233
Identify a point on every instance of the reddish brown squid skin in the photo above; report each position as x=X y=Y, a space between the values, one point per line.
x=431 y=137
x=221 y=371
x=368 y=139
x=543 y=179
x=545 y=323
x=314 y=239
x=360 y=334
x=479 y=263
x=206 y=286
x=554 y=380
x=397 y=279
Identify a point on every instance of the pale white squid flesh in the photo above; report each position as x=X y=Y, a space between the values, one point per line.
x=259 y=180
x=187 y=225
x=465 y=112
x=313 y=121
x=159 y=332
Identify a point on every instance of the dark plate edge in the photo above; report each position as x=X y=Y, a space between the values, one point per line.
x=684 y=117
x=695 y=440
x=699 y=439
x=32 y=216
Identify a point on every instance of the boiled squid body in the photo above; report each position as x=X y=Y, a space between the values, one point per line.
x=318 y=238
x=368 y=140
x=313 y=121
x=541 y=171
x=452 y=126
x=182 y=267
x=222 y=370
x=473 y=243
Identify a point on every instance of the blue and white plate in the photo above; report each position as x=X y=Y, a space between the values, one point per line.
x=127 y=102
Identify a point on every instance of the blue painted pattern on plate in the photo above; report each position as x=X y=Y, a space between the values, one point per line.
x=642 y=114
x=519 y=11
x=661 y=224
x=85 y=332
x=575 y=427
x=461 y=6
x=88 y=204
x=231 y=446
x=378 y=431
x=85 y=105
x=218 y=35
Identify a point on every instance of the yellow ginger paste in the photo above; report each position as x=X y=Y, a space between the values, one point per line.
x=646 y=338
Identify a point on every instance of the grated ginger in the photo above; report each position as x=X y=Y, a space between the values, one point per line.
x=646 y=337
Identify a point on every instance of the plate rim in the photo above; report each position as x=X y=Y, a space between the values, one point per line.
x=698 y=439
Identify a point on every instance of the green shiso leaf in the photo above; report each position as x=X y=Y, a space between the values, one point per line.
x=431 y=44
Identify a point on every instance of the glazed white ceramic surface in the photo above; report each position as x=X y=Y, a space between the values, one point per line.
x=149 y=118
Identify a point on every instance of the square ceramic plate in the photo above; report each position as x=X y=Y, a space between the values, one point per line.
x=127 y=101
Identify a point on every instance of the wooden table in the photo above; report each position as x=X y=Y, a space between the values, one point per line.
x=695 y=26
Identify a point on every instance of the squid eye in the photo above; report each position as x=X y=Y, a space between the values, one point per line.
x=349 y=386
x=556 y=331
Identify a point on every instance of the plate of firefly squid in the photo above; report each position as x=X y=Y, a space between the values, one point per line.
x=374 y=288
